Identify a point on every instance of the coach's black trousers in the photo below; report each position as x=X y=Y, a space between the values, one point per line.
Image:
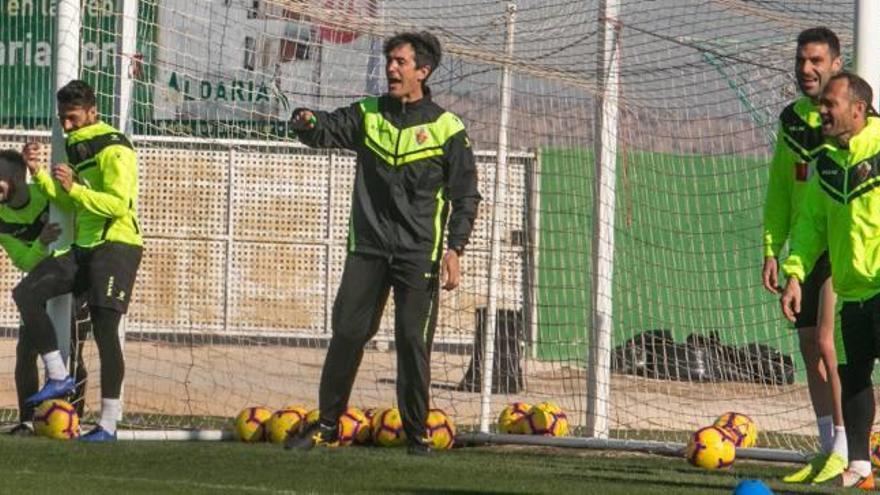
x=366 y=282
x=860 y=328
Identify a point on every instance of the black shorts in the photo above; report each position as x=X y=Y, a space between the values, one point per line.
x=103 y=274
x=811 y=293
x=860 y=332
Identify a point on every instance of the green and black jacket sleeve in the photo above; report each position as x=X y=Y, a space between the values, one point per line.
x=461 y=189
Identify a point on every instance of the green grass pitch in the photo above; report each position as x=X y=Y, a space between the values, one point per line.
x=34 y=465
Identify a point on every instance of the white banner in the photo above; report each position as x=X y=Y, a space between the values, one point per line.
x=255 y=60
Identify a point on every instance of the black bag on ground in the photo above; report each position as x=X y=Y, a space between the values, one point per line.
x=766 y=364
x=507 y=375
x=632 y=357
x=703 y=357
x=655 y=354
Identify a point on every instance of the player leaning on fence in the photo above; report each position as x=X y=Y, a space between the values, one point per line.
x=414 y=161
x=799 y=136
x=100 y=187
x=840 y=213
x=25 y=236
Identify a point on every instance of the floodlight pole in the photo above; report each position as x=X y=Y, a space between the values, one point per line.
x=498 y=210
x=68 y=23
x=599 y=346
x=867 y=44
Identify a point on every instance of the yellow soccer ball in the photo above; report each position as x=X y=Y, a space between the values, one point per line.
x=370 y=412
x=285 y=422
x=711 y=448
x=250 y=424
x=312 y=417
x=353 y=427
x=56 y=419
x=440 y=429
x=740 y=427
x=298 y=407
x=512 y=419
x=875 y=448
x=546 y=419
x=387 y=428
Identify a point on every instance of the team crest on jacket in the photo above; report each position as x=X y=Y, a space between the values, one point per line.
x=863 y=170
x=421 y=135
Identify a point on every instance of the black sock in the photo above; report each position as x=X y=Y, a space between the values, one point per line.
x=105 y=325
x=858 y=407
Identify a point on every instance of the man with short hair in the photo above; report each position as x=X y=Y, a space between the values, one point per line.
x=100 y=186
x=25 y=236
x=798 y=138
x=839 y=214
x=414 y=161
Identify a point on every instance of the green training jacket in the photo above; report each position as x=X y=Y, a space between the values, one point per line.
x=841 y=213
x=797 y=140
x=104 y=197
x=20 y=230
x=414 y=160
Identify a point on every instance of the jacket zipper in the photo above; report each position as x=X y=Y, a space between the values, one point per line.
x=397 y=144
x=397 y=179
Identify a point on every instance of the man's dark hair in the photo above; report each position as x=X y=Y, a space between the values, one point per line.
x=425 y=44
x=823 y=35
x=77 y=93
x=859 y=90
x=12 y=165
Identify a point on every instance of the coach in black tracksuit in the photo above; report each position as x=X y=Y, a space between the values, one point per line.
x=414 y=161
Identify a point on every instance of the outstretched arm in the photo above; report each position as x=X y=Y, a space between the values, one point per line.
x=340 y=128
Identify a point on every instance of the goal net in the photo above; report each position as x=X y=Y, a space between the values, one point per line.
x=245 y=228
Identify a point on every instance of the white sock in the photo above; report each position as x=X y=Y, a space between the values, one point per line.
x=826 y=433
x=110 y=410
x=839 y=447
x=863 y=468
x=55 y=368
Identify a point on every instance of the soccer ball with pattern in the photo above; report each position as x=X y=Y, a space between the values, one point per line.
x=312 y=417
x=285 y=422
x=875 y=448
x=740 y=427
x=440 y=429
x=250 y=424
x=370 y=412
x=512 y=419
x=56 y=419
x=353 y=427
x=387 y=427
x=546 y=419
x=711 y=448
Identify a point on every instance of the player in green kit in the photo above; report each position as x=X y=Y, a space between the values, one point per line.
x=100 y=186
x=798 y=138
x=25 y=235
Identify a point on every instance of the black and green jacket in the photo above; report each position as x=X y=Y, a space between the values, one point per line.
x=413 y=161
x=104 y=197
x=20 y=230
x=839 y=212
x=798 y=139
